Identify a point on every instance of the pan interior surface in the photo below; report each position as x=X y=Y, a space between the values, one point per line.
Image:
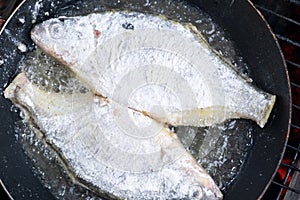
x=267 y=140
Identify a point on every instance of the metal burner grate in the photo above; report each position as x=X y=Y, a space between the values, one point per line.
x=284 y=18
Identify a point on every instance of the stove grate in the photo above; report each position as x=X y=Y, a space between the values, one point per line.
x=283 y=17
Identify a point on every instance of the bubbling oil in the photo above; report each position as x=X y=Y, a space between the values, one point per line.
x=49 y=75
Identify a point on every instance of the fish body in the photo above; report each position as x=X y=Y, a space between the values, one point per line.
x=87 y=131
x=155 y=65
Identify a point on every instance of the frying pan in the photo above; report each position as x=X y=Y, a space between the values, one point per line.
x=243 y=24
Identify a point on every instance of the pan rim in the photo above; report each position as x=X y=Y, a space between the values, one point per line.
x=285 y=68
x=290 y=97
x=11 y=16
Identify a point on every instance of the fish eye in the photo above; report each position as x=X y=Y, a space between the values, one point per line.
x=61 y=19
x=195 y=191
x=56 y=30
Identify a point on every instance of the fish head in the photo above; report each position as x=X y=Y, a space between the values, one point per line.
x=197 y=184
x=68 y=40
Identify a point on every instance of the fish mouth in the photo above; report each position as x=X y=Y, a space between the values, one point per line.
x=35 y=32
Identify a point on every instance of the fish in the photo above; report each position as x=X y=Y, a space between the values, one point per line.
x=164 y=69
x=92 y=135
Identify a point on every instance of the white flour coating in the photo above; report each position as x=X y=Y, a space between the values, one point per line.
x=22 y=20
x=99 y=151
x=1 y=61
x=119 y=53
x=22 y=47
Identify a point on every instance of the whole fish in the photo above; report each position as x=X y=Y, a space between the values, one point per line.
x=164 y=69
x=108 y=154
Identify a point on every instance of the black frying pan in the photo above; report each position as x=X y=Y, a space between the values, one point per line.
x=252 y=37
